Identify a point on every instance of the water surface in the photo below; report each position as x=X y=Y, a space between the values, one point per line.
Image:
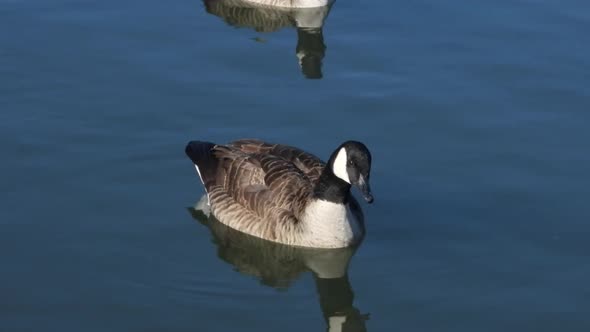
x=476 y=116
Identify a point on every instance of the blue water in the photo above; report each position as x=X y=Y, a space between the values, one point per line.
x=476 y=115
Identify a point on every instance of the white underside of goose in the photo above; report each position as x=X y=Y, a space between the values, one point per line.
x=203 y=205
x=330 y=225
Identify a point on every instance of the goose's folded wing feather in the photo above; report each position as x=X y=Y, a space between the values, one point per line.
x=264 y=184
x=307 y=163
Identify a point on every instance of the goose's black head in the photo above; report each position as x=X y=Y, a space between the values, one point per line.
x=351 y=162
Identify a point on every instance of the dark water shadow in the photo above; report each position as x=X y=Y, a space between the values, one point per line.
x=279 y=266
x=310 y=49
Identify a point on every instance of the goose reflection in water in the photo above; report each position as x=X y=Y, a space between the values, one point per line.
x=278 y=266
x=310 y=48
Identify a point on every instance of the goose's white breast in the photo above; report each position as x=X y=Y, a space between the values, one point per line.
x=329 y=225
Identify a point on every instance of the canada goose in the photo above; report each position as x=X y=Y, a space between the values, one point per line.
x=283 y=194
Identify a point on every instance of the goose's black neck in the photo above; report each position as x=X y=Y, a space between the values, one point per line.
x=331 y=188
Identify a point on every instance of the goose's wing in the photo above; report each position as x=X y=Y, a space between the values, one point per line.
x=270 y=187
x=310 y=165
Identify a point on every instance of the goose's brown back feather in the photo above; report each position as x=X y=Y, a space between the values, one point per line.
x=261 y=188
x=306 y=162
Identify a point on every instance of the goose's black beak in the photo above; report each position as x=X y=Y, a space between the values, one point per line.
x=365 y=189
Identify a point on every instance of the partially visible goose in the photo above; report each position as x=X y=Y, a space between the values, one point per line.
x=283 y=194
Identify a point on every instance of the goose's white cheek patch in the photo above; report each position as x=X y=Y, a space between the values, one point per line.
x=339 y=167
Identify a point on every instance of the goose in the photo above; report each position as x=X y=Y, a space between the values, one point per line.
x=283 y=194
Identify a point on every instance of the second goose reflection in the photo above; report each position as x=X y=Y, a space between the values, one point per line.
x=278 y=266
x=310 y=48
